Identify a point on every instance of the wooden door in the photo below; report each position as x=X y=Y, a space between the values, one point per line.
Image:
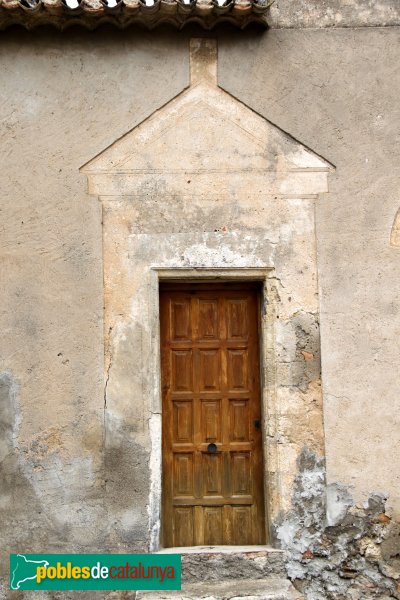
x=212 y=443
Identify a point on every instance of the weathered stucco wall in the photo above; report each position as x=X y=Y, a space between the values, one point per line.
x=55 y=92
x=334 y=13
x=348 y=82
x=66 y=97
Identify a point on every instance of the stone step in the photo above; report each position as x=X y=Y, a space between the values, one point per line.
x=225 y=563
x=271 y=588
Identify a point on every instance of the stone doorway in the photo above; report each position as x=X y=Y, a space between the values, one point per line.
x=207 y=189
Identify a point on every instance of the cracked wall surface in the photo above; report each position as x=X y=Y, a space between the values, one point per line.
x=336 y=91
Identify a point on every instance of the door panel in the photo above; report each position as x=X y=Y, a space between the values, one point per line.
x=212 y=445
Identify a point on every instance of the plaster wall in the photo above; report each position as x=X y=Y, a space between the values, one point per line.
x=334 y=13
x=64 y=98
x=353 y=111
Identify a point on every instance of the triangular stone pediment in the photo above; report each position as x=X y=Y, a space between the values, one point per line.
x=202 y=138
x=206 y=132
x=205 y=129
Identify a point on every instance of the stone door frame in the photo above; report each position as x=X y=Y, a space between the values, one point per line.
x=269 y=311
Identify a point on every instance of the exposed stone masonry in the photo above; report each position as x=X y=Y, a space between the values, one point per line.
x=337 y=550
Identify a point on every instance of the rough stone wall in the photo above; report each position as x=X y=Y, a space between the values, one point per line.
x=339 y=551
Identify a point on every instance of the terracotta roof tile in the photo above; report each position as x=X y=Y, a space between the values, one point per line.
x=122 y=13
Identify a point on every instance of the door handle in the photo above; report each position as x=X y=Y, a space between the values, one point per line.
x=212 y=448
x=257 y=423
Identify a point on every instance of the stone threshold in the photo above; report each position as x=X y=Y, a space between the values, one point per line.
x=219 y=550
x=271 y=588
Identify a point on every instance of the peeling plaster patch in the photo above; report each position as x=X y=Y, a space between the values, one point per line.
x=25 y=522
x=300 y=530
x=199 y=256
x=338 y=501
x=235 y=249
x=126 y=482
x=395 y=234
x=10 y=416
x=298 y=349
x=351 y=555
x=45 y=443
x=301 y=223
x=47 y=477
x=48 y=464
x=155 y=482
